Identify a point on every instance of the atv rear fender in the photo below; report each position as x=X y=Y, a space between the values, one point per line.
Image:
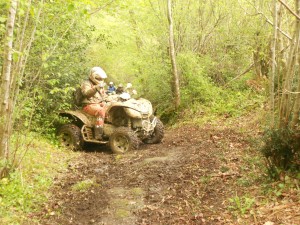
x=77 y=116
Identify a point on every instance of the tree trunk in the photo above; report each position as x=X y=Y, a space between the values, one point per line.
x=6 y=125
x=288 y=78
x=289 y=103
x=19 y=67
x=296 y=109
x=273 y=74
x=175 y=83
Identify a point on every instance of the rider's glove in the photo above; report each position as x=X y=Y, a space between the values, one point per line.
x=99 y=86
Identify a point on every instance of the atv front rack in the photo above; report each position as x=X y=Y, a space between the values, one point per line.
x=148 y=126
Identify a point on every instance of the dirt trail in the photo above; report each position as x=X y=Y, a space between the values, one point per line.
x=187 y=179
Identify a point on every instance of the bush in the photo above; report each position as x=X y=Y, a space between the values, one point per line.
x=282 y=151
x=196 y=86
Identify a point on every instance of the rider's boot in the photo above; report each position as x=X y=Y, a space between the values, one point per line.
x=98 y=128
x=98 y=132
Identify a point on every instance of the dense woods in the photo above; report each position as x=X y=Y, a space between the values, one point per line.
x=195 y=60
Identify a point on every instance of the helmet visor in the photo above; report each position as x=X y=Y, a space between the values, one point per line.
x=98 y=78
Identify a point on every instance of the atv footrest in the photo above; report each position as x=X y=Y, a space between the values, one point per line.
x=87 y=134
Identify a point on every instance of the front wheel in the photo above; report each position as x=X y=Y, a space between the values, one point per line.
x=69 y=136
x=157 y=135
x=122 y=140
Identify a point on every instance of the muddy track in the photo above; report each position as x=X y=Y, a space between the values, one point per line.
x=187 y=179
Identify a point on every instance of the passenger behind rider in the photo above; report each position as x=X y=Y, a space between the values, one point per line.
x=129 y=89
x=94 y=98
x=111 y=88
x=120 y=89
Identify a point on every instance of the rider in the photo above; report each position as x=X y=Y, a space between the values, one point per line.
x=129 y=89
x=94 y=98
x=120 y=89
x=111 y=88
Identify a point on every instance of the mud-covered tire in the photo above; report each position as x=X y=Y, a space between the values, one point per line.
x=69 y=136
x=158 y=134
x=122 y=140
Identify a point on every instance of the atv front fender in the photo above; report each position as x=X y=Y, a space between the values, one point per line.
x=140 y=108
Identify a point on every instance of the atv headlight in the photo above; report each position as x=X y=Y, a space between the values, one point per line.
x=144 y=109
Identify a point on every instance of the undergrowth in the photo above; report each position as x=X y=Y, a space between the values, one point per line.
x=258 y=194
x=281 y=152
x=226 y=104
x=36 y=163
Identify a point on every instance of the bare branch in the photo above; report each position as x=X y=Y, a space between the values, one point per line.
x=99 y=9
x=289 y=9
x=246 y=71
x=285 y=91
x=270 y=22
x=267 y=19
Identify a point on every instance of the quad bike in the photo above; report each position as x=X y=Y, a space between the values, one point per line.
x=128 y=123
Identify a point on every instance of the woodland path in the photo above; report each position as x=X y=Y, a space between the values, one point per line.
x=187 y=179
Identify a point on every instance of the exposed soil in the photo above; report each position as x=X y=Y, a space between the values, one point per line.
x=187 y=179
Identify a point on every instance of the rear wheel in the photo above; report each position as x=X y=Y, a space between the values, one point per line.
x=70 y=137
x=157 y=134
x=122 y=140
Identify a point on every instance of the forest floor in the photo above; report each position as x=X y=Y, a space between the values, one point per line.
x=212 y=174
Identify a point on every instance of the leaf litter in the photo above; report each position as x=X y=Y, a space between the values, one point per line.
x=193 y=177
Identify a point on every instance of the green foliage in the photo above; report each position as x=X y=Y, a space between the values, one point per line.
x=3 y=18
x=200 y=93
x=282 y=151
x=277 y=191
x=241 y=205
x=196 y=85
x=19 y=195
x=83 y=186
x=130 y=41
x=25 y=189
x=54 y=66
x=134 y=46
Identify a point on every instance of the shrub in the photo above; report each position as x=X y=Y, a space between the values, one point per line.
x=282 y=151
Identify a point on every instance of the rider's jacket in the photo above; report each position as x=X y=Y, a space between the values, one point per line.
x=111 y=89
x=92 y=94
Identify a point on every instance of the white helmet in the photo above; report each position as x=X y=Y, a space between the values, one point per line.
x=111 y=83
x=97 y=75
x=124 y=96
x=129 y=85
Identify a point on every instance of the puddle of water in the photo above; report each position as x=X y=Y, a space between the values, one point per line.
x=122 y=205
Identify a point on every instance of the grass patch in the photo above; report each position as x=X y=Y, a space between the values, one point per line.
x=241 y=205
x=25 y=189
x=122 y=213
x=137 y=192
x=83 y=186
